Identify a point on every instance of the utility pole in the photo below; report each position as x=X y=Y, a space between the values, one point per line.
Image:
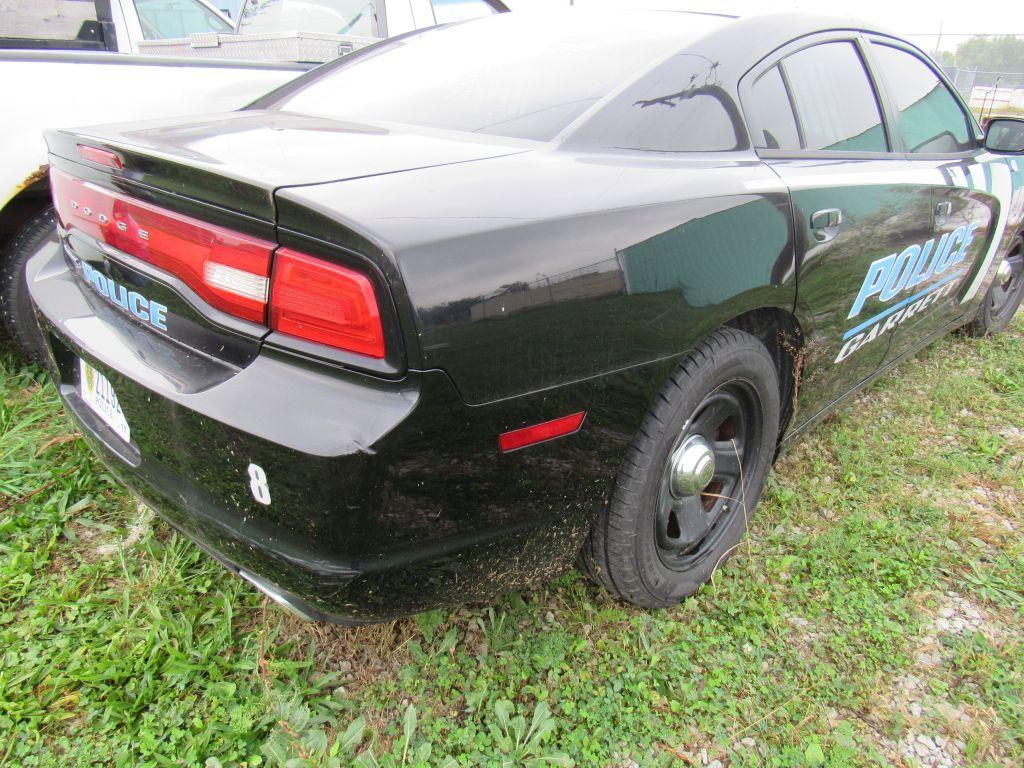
x=938 y=40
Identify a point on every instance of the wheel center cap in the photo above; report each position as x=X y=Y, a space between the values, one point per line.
x=1003 y=272
x=693 y=466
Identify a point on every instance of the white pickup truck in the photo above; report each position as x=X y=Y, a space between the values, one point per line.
x=72 y=62
x=317 y=30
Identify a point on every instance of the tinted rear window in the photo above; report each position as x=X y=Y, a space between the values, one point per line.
x=680 y=106
x=834 y=99
x=506 y=75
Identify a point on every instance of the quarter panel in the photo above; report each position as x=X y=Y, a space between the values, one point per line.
x=572 y=266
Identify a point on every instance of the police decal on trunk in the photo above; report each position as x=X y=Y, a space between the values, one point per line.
x=148 y=311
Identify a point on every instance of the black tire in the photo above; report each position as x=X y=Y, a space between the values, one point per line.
x=630 y=551
x=1003 y=298
x=15 y=305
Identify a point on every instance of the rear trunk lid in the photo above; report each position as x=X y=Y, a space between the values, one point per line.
x=215 y=179
x=236 y=160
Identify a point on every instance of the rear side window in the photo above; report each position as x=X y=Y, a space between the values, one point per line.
x=834 y=100
x=447 y=11
x=680 y=106
x=773 y=112
x=930 y=119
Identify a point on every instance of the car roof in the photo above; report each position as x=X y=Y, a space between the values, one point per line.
x=769 y=31
x=796 y=23
x=733 y=48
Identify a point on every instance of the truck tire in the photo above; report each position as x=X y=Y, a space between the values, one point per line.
x=1004 y=297
x=673 y=519
x=15 y=305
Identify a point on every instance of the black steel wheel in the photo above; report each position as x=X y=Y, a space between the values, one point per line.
x=1004 y=296
x=691 y=481
x=702 y=483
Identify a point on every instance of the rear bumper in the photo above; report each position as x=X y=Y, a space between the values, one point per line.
x=387 y=498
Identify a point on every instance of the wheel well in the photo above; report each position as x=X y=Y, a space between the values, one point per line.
x=32 y=200
x=782 y=336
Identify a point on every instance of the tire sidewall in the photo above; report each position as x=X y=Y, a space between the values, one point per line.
x=749 y=363
x=16 y=309
x=985 y=323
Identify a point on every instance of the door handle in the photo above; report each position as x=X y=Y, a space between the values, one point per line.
x=825 y=223
x=942 y=211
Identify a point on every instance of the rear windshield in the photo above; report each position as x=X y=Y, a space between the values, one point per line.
x=519 y=75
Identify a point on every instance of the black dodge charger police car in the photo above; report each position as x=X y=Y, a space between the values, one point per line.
x=443 y=317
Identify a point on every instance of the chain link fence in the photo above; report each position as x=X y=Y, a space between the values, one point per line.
x=989 y=92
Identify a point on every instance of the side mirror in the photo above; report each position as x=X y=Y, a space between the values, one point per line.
x=1005 y=135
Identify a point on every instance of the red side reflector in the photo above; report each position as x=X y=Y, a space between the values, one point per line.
x=539 y=433
x=101 y=156
x=324 y=302
x=229 y=270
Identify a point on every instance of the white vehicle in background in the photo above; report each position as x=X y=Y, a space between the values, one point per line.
x=116 y=26
x=69 y=62
x=318 y=30
x=368 y=18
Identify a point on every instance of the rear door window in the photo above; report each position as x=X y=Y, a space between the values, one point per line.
x=930 y=117
x=834 y=99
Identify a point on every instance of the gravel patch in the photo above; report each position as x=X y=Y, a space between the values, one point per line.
x=931 y=721
x=932 y=751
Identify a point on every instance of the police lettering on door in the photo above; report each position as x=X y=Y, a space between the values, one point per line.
x=901 y=273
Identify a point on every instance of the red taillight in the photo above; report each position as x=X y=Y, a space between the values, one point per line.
x=326 y=303
x=310 y=298
x=539 y=433
x=229 y=270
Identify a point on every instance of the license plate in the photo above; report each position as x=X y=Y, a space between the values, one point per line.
x=99 y=395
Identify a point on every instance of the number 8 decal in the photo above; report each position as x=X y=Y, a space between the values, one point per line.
x=258 y=484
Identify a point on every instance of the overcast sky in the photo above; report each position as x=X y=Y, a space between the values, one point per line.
x=960 y=19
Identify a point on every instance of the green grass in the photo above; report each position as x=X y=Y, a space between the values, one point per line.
x=879 y=599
